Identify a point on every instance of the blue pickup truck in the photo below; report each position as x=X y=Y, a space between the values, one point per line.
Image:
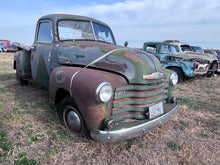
x=171 y=58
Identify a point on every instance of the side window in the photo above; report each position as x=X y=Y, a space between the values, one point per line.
x=151 y=49
x=45 y=32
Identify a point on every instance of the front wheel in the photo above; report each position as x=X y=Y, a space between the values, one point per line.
x=70 y=116
x=179 y=74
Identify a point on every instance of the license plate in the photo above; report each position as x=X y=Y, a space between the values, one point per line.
x=155 y=110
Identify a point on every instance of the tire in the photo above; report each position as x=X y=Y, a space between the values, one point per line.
x=179 y=74
x=70 y=117
x=20 y=81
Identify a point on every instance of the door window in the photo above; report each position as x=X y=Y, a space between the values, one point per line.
x=45 y=32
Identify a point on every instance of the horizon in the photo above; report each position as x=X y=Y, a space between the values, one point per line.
x=190 y=21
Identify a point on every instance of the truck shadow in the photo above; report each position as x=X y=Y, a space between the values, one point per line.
x=31 y=103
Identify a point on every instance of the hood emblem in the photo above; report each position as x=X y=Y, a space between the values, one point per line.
x=157 y=75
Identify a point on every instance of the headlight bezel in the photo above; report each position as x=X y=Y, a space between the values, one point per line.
x=101 y=89
x=174 y=78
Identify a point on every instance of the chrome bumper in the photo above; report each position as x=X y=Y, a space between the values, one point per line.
x=134 y=131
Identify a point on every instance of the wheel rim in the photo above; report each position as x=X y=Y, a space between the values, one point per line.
x=72 y=119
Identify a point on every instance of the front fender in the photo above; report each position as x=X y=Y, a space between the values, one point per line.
x=187 y=67
x=83 y=89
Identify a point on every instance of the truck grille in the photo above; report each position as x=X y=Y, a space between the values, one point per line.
x=133 y=101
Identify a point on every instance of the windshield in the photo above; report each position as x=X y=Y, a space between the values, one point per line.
x=71 y=30
x=197 y=49
x=103 y=33
x=82 y=30
x=168 y=49
x=214 y=53
x=185 y=48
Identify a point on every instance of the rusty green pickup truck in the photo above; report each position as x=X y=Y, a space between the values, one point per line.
x=107 y=92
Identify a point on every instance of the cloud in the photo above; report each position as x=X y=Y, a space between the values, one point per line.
x=133 y=20
x=135 y=16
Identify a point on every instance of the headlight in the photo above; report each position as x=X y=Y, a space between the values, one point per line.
x=104 y=92
x=174 y=78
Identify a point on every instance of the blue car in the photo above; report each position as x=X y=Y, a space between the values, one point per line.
x=2 y=48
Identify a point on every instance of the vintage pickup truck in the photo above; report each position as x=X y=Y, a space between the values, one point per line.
x=172 y=59
x=107 y=92
x=188 y=53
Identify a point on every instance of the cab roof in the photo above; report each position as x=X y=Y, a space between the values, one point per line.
x=57 y=17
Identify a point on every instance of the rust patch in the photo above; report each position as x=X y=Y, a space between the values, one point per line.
x=136 y=99
x=60 y=77
x=113 y=64
x=105 y=47
x=133 y=57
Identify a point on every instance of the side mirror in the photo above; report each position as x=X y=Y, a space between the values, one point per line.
x=126 y=43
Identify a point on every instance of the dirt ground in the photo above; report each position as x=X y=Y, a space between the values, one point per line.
x=32 y=134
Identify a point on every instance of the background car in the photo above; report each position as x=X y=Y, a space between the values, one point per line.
x=2 y=48
x=197 y=49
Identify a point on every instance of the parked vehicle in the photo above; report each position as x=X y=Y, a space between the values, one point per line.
x=218 y=52
x=214 y=52
x=211 y=51
x=2 y=48
x=8 y=46
x=197 y=49
x=107 y=92
x=186 y=49
x=170 y=58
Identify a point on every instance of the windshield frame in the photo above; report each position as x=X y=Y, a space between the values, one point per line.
x=91 y=22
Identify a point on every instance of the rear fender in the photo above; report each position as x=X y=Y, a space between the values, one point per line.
x=22 y=63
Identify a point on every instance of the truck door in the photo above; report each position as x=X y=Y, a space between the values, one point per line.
x=41 y=53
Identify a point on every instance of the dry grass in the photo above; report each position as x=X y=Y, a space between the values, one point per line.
x=34 y=133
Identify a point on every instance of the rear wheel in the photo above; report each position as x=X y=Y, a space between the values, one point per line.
x=70 y=116
x=20 y=81
x=179 y=74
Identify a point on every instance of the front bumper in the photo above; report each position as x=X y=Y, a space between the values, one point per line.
x=138 y=129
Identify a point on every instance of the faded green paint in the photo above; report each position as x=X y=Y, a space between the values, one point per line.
x=42 y=74
x=71 y=43
x=139 y=88
x=140 y=95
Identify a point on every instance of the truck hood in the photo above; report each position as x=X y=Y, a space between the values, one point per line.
x=132 y=63
x=191 y=55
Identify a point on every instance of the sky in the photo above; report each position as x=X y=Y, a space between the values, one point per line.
x=136 y=21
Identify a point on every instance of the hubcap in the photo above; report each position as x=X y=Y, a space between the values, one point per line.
x=73 y=121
